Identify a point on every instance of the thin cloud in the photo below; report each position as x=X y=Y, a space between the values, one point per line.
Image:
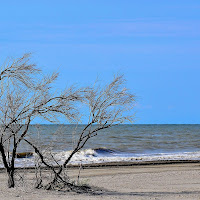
x=114 y=29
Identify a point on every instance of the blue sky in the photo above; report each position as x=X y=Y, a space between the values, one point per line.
x=155 y=44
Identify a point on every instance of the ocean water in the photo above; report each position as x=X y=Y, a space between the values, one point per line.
x=119 y=143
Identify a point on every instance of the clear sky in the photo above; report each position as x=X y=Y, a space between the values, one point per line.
x=155 y=44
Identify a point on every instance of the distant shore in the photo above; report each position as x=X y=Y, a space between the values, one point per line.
x=155 y=180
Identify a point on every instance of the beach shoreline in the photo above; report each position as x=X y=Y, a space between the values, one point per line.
x=147 y=181
x=119 y=164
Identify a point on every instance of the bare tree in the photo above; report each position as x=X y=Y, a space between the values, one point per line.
x=108 y=106
x=25 y=94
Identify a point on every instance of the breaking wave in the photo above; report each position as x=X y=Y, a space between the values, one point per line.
x=104 y=155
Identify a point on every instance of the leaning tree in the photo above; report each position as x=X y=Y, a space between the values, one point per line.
x=25 y=93
x=108 y=106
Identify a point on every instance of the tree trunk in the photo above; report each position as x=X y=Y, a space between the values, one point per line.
x=10 y=170
x=11 y=181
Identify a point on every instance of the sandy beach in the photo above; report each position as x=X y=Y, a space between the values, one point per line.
x=163 y=181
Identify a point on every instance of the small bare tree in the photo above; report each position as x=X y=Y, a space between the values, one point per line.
x=24 y=95
x=108 y=106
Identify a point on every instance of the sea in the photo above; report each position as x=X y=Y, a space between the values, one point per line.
x=122 y=143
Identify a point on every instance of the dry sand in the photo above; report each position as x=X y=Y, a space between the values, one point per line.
x=169 y=181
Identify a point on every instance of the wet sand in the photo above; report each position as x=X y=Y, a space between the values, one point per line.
x=149 y=181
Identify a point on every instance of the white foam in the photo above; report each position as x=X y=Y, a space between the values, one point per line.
x=89 y=156
x=80 y=158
